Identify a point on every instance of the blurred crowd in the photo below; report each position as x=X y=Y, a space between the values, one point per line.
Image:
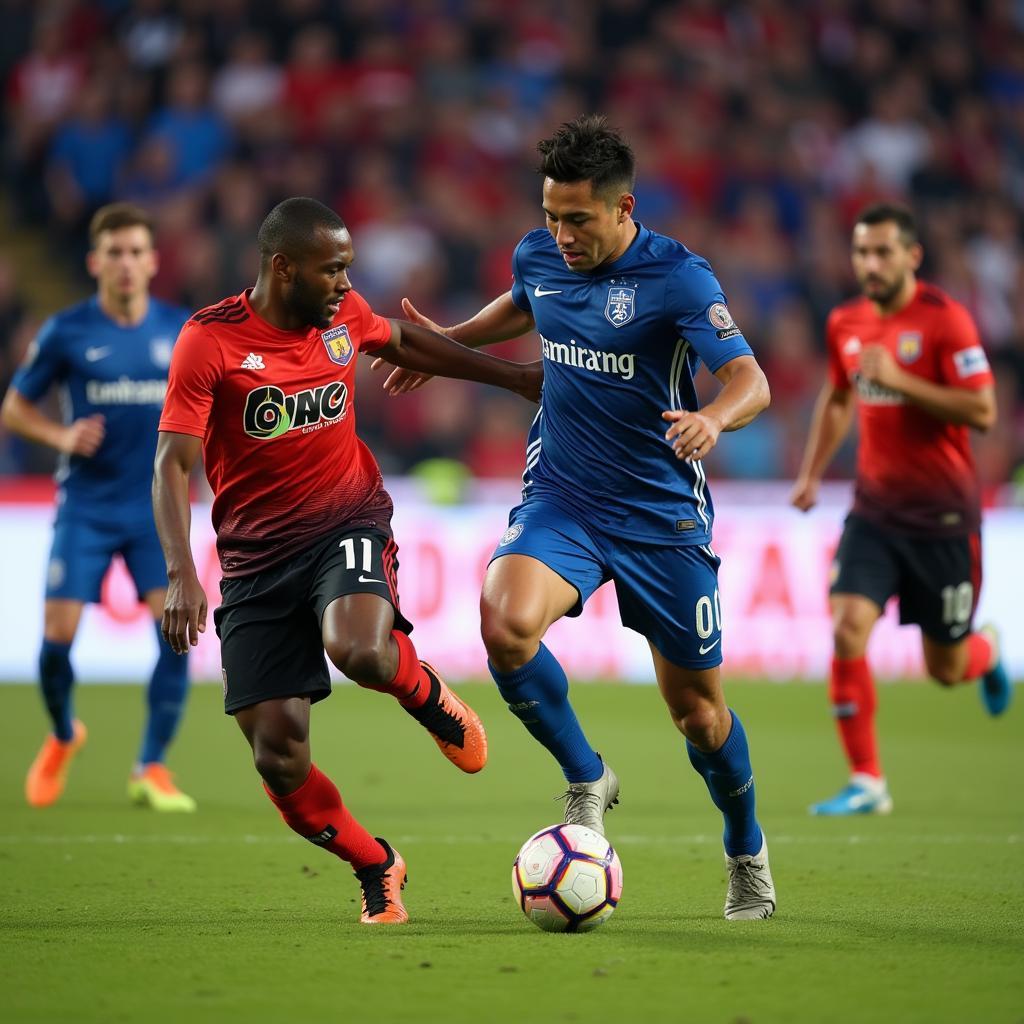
x=760 y=127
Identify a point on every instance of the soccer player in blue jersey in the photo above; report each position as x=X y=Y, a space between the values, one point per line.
x=109 y=356
x=615 y=487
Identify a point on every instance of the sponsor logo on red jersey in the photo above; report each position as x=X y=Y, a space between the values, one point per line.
x=270 y=413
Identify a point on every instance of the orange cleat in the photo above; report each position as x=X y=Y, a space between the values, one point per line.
x=382 y=886
x=455 y=726
x=49 y=771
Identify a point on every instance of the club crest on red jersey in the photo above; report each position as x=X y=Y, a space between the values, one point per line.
x=338 y=344
x=908 y=346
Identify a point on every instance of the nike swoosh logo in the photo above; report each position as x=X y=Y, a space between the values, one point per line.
x=541 y=292
x=92 y=354
x=368 y=579
x=710 y=647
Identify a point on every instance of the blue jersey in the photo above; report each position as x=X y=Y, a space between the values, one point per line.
x=620 y=346
x=119 y=372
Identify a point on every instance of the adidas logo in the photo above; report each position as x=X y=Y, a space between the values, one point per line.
x=253 y=362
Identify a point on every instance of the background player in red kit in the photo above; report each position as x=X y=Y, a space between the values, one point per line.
x=264 y=382
x=912 y=357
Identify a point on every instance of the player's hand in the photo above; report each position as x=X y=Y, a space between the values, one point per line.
x=84 y=436
x=184 y=613
x=692 y=434
x=805 y=494
x=878 y=366
x=533 y=381
x=400 y=381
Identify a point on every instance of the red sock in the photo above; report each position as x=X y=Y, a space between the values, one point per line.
x=979 y=656
x=852 y=692
x=316 y=812
x=410 y=687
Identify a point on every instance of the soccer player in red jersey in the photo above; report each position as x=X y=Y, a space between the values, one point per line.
x=908 y=357
x=264 y=382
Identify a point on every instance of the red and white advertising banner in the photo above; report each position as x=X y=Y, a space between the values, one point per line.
x=773 y=582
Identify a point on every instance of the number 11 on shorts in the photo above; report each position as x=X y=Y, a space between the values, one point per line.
x=348 y=545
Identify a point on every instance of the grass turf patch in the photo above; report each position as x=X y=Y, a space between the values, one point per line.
x=111 y=913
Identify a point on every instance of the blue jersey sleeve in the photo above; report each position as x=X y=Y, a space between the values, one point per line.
x=44 y=363
x=694 y=301
x=520 y=296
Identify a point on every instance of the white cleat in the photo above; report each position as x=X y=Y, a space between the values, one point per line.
x=751 y=893
x=586 y=802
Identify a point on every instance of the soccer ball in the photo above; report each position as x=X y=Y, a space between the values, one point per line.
x=567 y=878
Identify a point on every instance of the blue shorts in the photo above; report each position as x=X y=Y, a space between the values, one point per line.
x=82 y=551
x=667 y=593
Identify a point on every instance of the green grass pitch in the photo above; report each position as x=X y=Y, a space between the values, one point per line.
x=109 y=913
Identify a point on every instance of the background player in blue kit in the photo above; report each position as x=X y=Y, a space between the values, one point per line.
x=625 y=316
x=109 y=355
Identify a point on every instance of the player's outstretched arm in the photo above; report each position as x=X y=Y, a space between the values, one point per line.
x=499 y=320
x=24 y=418
x=744 y=395
x=830 y=423
x=185 y=606
x=419 y=350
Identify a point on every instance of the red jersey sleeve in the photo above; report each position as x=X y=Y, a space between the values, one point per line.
x=962 y=360
x=373 y=331
x=836 y=371
x=196 y=368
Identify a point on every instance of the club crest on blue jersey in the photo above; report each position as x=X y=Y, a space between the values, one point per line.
x=908 y=346
x=338 y=345
x=160 y=351
x=621 y=306
x=511 y=534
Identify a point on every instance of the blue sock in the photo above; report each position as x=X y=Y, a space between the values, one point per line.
x=56 y=677
x=730 y=781
x=165 y=700
x=537 y=693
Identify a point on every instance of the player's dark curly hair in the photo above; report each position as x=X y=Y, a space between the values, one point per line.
x=290 y=226
x=588 y=150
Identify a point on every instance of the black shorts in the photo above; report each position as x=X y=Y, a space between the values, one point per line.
x=937 y=579
x=268 y=623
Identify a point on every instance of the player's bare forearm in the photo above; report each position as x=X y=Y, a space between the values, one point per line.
x=500 y=320
x=973 y=408
x=185 y=606
x=830 y=423
x=416 y=348
x=24 y=418
x=175 y=456
x=744 y=394
x=970 y=407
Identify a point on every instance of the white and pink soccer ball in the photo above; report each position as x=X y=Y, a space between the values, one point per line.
x=567 y=878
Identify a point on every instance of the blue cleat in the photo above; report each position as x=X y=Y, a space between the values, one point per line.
x=864 y=795
x=996 y=686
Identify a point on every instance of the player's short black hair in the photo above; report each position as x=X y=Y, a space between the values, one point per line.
x=891 y=213
x=115 y=216
x=588 y=150
x=290 y=226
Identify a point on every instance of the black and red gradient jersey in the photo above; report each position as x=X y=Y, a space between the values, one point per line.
x=915 y=472
x=276 y=413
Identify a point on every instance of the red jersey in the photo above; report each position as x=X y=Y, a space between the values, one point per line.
x=276 y=413
x=915 y=472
